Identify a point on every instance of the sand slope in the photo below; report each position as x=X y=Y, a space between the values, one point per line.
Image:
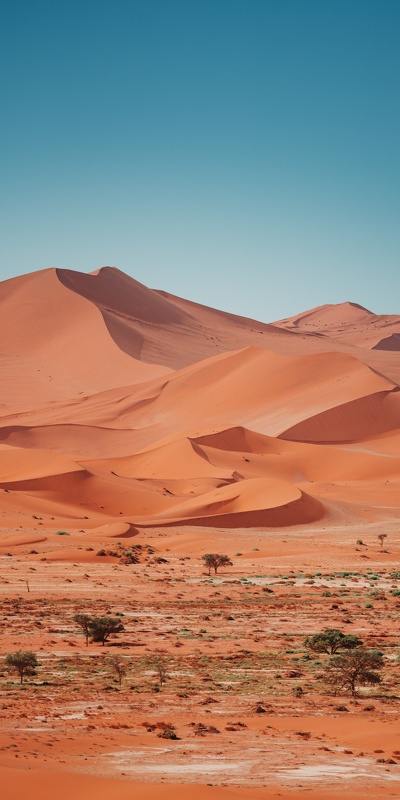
x=55 y=345
x=125 y=405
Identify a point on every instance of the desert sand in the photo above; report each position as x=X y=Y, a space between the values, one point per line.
x=135 y=422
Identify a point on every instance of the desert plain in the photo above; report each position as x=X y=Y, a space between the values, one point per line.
x=139 y=432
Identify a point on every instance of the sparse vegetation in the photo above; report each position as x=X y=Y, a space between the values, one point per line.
x=22 y=661
x=101 y=628
x=98 y=629
x=357 y=668
x=159 y=664
x=331 y=641
x=215 y=561
x=83 y=620
x=228 y=654
x=119 y=667
x=168 y=732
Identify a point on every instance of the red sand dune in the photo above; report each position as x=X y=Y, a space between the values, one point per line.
x=353 y=421
x=147 y=324
x=348 y=322
x=55 y=344
x=124 y=404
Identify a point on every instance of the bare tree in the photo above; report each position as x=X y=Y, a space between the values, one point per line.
x=160 y=664
x=83 y=620
x=119 y=667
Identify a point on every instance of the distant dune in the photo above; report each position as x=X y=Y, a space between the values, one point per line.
x=348 y=322
x=126 y=406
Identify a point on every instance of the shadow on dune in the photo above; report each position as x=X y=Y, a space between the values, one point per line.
x=350 y=422
x=390 y=343
x=299 y=512
x=126 y=305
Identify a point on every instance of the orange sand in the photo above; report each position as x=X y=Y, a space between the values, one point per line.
x=130 y=415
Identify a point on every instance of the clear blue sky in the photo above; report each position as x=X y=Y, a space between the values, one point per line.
x=240 y=153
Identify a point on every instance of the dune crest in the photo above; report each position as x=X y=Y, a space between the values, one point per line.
x=56 y=346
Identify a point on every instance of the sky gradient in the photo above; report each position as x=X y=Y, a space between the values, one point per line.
x=241 y=153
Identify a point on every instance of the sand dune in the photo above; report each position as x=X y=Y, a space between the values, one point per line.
x=120 y=401
x=360 y=419
x=247 y=503
x=80 y=441
x=22 y=463
x=297 y=461
x=332 y=317
x=55 y=344
x=151 y=326
x=348 y=322
x=253 y=387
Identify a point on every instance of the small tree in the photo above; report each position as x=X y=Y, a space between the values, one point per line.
x=119 y=667
x=331 y=640
x=382 y=537
x=83 y=620
x=23 y=661
x=216 y=560
x=357 y=668
x=102 y=627
x=159 y=664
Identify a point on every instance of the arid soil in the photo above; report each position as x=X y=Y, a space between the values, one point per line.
x=233 y=645
x=139 y=432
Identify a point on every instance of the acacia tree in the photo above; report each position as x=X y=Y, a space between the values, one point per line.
x=119 y=667
x=216 y=560
x=83 y=620
x=331 y=640
x=102 y=627
x=23 y=661
x=356 y=668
